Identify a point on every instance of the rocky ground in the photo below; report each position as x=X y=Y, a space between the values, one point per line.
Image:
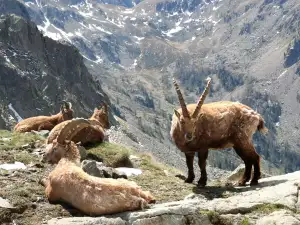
x=273 y=201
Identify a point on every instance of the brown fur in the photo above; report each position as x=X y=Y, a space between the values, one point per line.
x=91 y=134
x=91 y=195
x=218 y=125
x=38 y=123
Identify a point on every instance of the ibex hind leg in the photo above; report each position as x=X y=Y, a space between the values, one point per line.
x=190 y=165
x=250 y=157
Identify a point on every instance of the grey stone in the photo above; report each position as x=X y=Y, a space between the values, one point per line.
x=82 y=152
x=86 y=221
x=282 y=217
x=42 y=133
x=5 y=204
x=238 y=173
x=98 y=169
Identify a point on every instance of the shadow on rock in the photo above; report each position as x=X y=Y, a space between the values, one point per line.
x=211 y=192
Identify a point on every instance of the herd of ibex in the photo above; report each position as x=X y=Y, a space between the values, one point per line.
x=195 y=128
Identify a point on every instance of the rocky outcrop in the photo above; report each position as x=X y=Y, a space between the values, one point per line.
x=37 y=73
x=274 y=201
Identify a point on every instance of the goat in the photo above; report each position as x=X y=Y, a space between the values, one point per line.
x=38 y=123
x=92 y=195
x=91 y=134
x=217 y=125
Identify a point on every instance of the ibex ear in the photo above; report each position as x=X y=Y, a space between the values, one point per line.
x=95 y=109
x=78 y=143
x=177 y=113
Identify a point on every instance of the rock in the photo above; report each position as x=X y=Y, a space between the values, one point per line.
x=98 y=169
x=282 y=217
x=238 y=173
x=135 y=160
x=86 y=221
x=199 y=209
x=82 y=152
x=15 y=166
x=42 y=133
x=5 y=204
x=129 y=171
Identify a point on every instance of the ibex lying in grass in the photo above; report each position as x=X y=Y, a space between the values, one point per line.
x=91 y=195
x=91 y=134
x=218 y=125
x=38 y=123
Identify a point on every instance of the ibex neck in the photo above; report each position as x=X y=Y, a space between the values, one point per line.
x=72 y=154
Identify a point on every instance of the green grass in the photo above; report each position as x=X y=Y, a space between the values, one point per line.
x=157 y=178
x=160 y=180
x=12 y=146
x=113 y=155
x=268 y=208
x=245 y=221
x=13 y=140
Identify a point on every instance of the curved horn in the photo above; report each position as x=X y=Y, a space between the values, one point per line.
x=181 y=100
x=64 y=104
x=71 y=129
x=202 y=98
x=104 y=105
x=70 y=105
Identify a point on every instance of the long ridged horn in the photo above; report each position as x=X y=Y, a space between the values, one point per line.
x=71 y=129
x=202 y=98
x=70 y=105
x=67 y=105
x=185 y=112
x=104 y=106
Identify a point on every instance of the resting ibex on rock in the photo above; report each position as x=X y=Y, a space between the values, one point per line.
x=217 y=125
x=92 y=134
x=38 y=123
x=91 y=195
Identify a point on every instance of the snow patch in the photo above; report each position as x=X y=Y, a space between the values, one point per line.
x=19 y=118
x=129 y=171
x=173 y=31
x=101 y=29
x=139 y=38
x=282 y=74
x=15 y=166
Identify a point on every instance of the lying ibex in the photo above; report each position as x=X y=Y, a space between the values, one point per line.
x=217 y=125
x=91 y=134
x=38 y=123
x=91 y=195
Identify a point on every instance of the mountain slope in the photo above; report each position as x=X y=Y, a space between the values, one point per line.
x=37 y=73
x=249 y=48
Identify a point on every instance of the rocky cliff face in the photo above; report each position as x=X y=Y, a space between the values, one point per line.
x=37 y=73
x=249 y=48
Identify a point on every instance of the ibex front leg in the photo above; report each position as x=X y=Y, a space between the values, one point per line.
x=190 y=165
x=202 y=157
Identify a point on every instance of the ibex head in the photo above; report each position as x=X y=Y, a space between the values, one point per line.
x=187 y=121
x=66 y=111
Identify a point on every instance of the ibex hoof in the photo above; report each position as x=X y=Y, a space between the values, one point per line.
x=189 y=179
x=241 y=183
x=253 y=183
x=201 y=184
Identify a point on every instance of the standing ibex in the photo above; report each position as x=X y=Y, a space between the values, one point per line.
x=38 y=123
x=217 y=125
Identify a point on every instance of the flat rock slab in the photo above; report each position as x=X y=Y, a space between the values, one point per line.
x=282 y=217
x=281 y=190
x=87 y=221
x=5 y=204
